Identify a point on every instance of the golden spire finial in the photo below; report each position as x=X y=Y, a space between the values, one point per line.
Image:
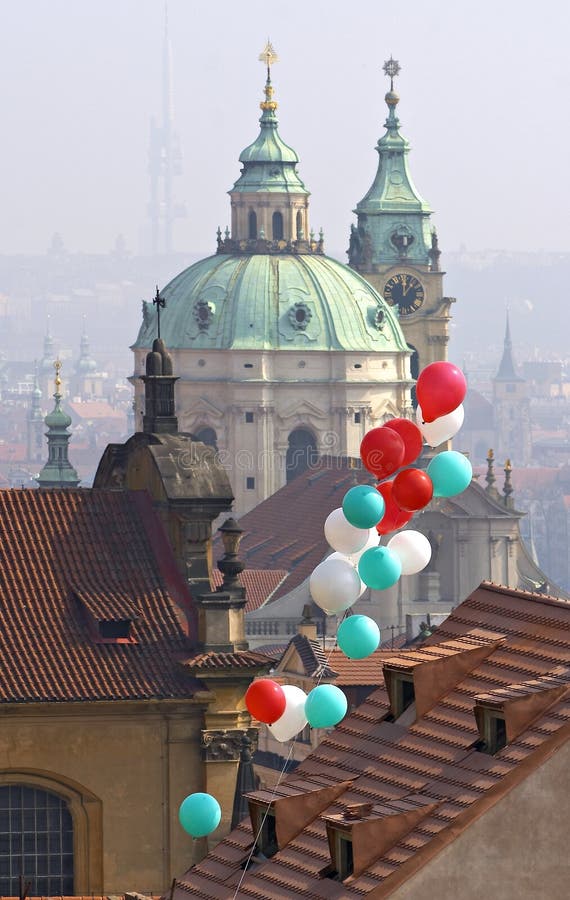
x=57 y=367
x=268 y=57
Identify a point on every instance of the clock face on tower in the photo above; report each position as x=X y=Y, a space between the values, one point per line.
x=405 y=292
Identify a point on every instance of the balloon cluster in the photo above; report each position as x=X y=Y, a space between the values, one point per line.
x=370 y=511
x=359 y=561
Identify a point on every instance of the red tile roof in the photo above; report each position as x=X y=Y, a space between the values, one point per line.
x=245 y=659
x=259 y=584
x=432 y=768
x=71 y=556
x=277 y=542
x=358 y=672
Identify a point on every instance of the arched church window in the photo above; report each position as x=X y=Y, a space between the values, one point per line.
x=207 y=436
x=299 y=226
x=36 y=841
x=277 y=226
x=252 y=226
x=414 y=371
x=301 y=453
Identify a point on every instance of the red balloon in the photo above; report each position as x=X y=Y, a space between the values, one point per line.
x=411 y=436
x=265 y=700
x=440 y=388
x=394 y=517
x=412 y=490
x=382 y=451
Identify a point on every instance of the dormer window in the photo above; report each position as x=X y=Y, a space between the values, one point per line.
x=342 y=856
x=119 y=629
x=263 y=822
x=492 y=729
x=402 y=693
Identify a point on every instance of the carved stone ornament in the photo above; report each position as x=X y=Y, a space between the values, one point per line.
x=379 y=318
x=299 y=316
x=225 y=746
x=203 y=314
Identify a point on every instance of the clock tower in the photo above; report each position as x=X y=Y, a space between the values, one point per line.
x=395 y=247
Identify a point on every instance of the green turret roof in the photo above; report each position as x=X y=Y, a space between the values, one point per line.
x=393 y=219
x=58 y=471
x=269 y=164
x=263 y=302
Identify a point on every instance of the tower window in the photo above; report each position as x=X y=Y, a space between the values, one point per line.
x=249 y=417
x=357 y=365
x=299 y=226
x=248 y=365
x=252 y=226
x=357 y=418
x=277 y=226
x=250 y=483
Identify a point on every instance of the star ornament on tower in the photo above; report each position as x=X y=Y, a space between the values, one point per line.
x=268 y=56
x=391 y=68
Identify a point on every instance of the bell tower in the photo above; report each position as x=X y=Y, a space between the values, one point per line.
x=394 y=246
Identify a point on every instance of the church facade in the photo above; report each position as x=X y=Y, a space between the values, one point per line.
x=284 y=355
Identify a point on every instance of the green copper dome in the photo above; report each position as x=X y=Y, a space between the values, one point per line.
x=272 y=302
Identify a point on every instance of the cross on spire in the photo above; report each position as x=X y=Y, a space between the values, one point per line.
x=268 y=56
x=392 y=68
x=160 y=303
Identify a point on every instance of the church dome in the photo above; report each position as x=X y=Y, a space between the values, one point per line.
x=275 y=301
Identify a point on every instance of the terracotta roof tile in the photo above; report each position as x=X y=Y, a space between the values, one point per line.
x=434 y=759
x=274 y=540
x=259 y=584
x=59 y=548
x=244 y=659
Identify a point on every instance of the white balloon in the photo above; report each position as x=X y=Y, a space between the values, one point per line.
x=343 y=536
x=353 y=560
x=442 y=429
x=293 y=719
x=412 y=549
x=373 y=541
x=335 y=585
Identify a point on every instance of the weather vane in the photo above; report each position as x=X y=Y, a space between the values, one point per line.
x=268 y=56
x=57 y=367
x=391 y=69
x=160 y=303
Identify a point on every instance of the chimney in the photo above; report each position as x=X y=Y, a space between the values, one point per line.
x=307 y=626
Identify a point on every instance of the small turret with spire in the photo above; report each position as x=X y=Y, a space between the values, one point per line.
x=58 y=471
x=159 y=380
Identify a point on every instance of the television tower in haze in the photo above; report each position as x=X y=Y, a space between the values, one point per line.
x=165 y=161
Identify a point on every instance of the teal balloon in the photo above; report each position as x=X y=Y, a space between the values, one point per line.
x=451 y=472
x=379 y=568
x=199 y=814
x=363 y=506
x=325 y=706
x=358 y=636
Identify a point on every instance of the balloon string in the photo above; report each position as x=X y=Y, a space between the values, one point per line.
x=269 y=802
x=281 y=775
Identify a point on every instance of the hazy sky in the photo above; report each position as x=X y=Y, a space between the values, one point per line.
x=484 y=101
